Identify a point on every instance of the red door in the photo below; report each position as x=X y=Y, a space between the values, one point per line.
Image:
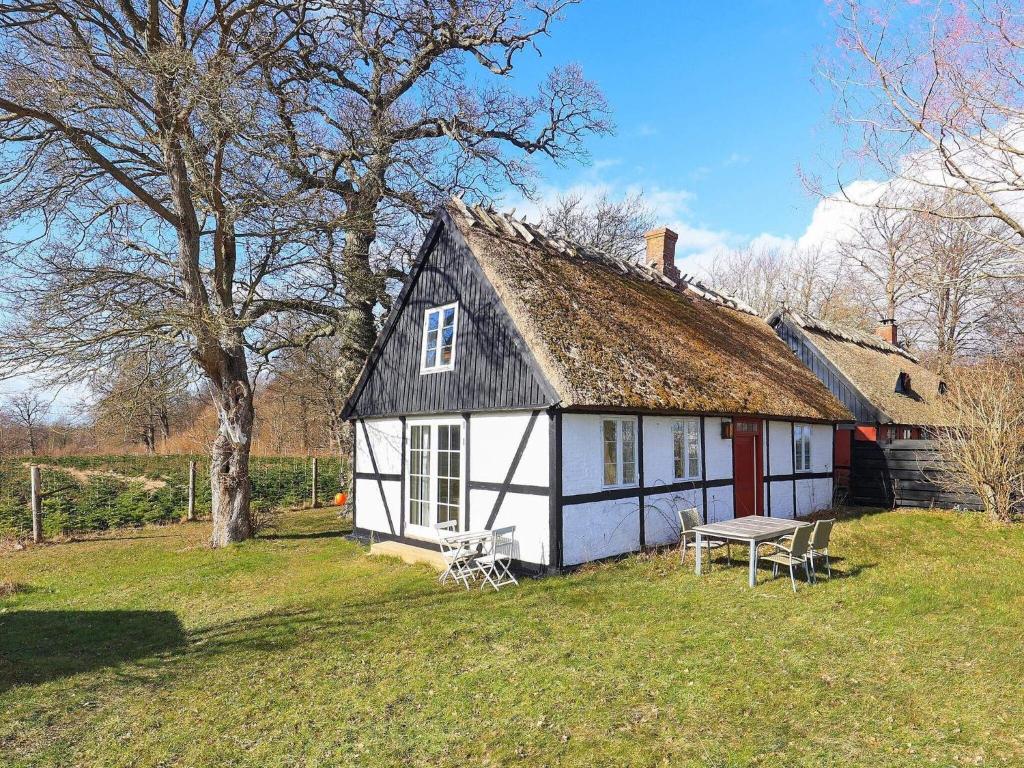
x=748 y=476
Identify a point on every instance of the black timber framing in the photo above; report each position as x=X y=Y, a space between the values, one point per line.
x=768 y=467
x=468 y=473
x=401 y=498
x=636 y=491
x=640 y=478
x=703 y=471
x=504 y=489
x=792 y=451
x=555 y=548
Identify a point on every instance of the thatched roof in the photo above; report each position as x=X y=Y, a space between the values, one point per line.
x=873 y=366
x=611 y=334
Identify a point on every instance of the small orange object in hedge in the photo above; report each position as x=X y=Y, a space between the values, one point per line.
x=339 y=499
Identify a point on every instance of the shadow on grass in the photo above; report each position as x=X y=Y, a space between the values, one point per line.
x=37 y=646
x=305 y=535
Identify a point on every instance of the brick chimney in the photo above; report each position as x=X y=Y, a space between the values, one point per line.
x=886 y=330
x=661 y=251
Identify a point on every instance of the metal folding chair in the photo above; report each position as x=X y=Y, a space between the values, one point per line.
x=495 y=564
x=455 y=553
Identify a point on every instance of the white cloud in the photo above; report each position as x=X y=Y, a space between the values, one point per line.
x=834 y=216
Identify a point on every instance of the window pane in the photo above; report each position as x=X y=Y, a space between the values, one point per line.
x=693 y=447
x=446 y=354
x=611 y=453
x=677 y=449
x=449 y=317
x=431 y=360
x=628 y=452
x=432 y=318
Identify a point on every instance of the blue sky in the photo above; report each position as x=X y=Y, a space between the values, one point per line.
x=716 y=106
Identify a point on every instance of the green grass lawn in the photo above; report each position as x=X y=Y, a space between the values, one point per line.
x=145 y=648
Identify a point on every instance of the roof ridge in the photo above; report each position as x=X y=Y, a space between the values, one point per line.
x=847 y=333
x=505 y=225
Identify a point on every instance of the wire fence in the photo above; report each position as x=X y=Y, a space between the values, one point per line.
x=94 y=493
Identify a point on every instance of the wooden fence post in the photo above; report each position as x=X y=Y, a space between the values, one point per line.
x=315 y=476
x=37 y=504
x=191 y=491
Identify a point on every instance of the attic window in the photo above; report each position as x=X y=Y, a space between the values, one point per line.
x=440 y=325
x=903 y=383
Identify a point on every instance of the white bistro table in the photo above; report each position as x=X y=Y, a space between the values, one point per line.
x=752 y=529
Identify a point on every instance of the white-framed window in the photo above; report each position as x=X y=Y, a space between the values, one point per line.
x=435 y=472
x=686 y=449
x=801 y=447
x=618 y=443
x=440 y=326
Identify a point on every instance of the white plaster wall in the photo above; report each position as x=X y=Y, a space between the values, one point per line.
x=780 y=450
x=812 y=495
x=386 y=441
x=599 y=529
x=720 y=504
x=821 y=448
x=370 y=511
x=661 y=521
x=717 y=452
x=782 y=499
x=528 y=514
x=659 y=467
x=494 y=439
x=582 y=466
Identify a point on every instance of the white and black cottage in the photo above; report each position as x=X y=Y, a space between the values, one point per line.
x=522 y=380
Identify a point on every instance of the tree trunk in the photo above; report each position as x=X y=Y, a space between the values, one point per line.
x=230 y=485
x=361 y=291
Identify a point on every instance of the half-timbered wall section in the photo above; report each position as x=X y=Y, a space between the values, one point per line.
x=493 y=367
x=503 y=467
x=598 y=521
x=829 y=375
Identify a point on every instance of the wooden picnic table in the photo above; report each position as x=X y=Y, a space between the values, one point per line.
x=753 y=529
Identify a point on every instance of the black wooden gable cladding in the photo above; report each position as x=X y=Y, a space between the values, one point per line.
x=830 y=376
x=494 y=369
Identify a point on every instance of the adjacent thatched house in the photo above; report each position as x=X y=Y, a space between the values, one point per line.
x=523 y=380
x=892 y=396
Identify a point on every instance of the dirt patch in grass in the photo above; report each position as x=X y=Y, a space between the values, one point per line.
x=86 y=475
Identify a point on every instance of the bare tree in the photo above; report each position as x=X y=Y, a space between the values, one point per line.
x=614 y=226
x=391 y=107
x=958 y=296
x=134 y=137
x=809 y=280
x=883 y=245
x=984 y=444
x=931 y=96
x=142 y=397
x=28 y=410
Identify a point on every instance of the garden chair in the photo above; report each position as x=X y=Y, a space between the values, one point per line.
x=454 y=552
x=495 y=564
x=689 y=518
x=792 y=555
x=821 y=534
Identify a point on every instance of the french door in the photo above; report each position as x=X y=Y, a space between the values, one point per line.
x=435 y=473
